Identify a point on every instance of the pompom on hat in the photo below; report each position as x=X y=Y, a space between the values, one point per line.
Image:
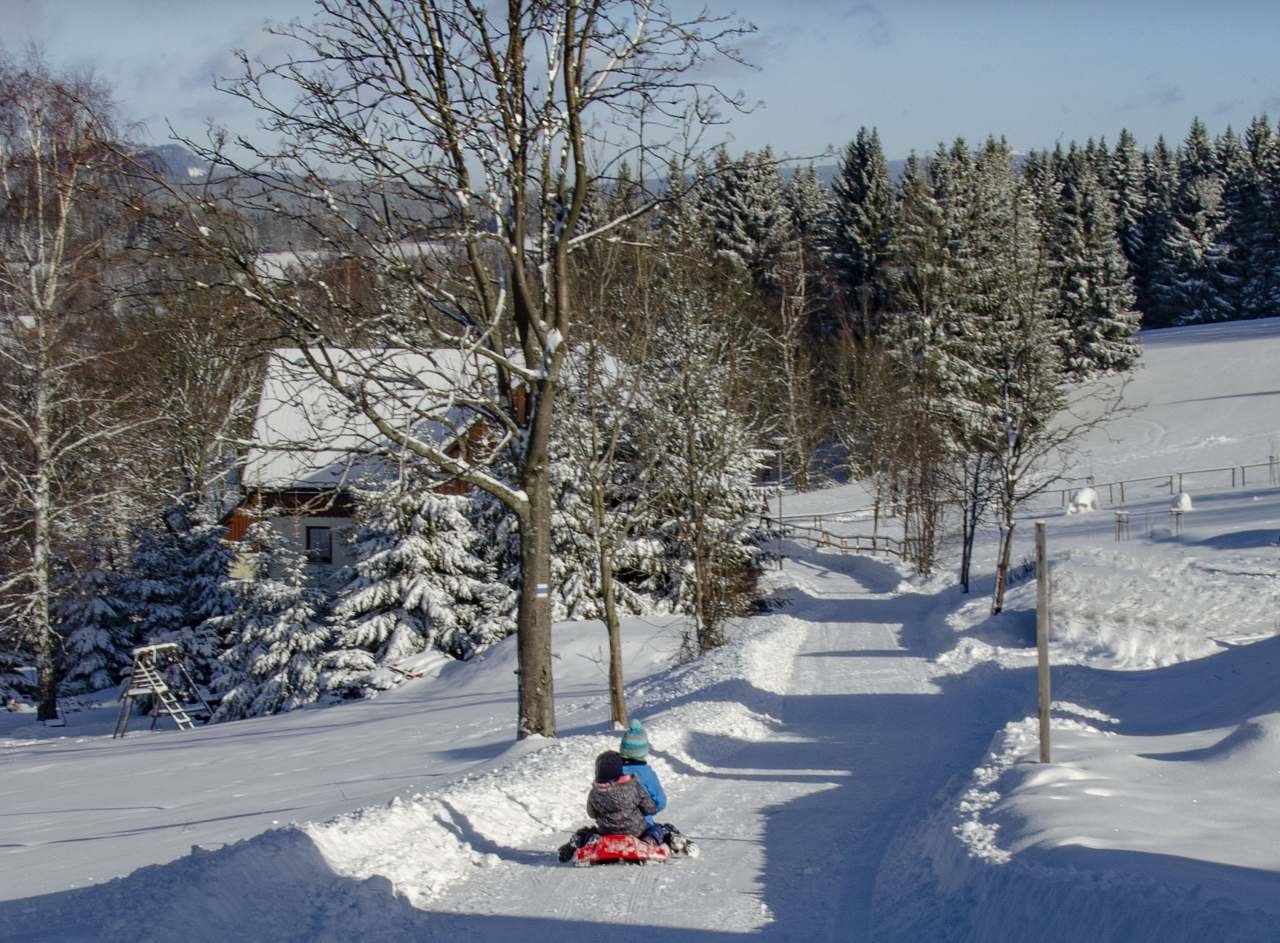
x=635 y=744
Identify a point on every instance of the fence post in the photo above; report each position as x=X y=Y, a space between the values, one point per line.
x=1042 y=639
x=1244 y=477
x=1171 y=491
x=1233 y=477
x=1122 y=492
x=1179 y=482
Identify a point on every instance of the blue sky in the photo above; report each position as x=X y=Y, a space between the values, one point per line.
x=922 y=71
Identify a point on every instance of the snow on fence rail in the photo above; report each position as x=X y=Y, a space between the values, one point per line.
x=845 y=543
x=1237 y=476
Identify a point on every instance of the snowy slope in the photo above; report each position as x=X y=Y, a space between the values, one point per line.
x=859 y=764
x=83 y=808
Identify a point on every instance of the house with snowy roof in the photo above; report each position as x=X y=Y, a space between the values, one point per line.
x=311 y=446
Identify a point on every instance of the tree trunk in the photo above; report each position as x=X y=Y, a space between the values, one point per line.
x=971 y=513
x=617 y=693
x=537 y=714
x=42 y=534
x=1002 y=569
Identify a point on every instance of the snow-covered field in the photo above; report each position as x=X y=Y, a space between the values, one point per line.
x=860 y=764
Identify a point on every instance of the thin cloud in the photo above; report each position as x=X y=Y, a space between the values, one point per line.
x=868 y=20
x=1164 y=96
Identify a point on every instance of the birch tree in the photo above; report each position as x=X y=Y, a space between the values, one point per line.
x=61 y=416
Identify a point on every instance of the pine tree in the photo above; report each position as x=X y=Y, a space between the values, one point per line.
x=1128 y=198
x=747 y=214
x=417 y=584
x=17 y=675
x=809 y=201
x=277 y=634
x=1096 y=295
x=862 y=222
x=1250 y=168
x=1160 y=183
x=93 y=621
x=206 y=560
x=1194 y=283
x=153 y=587
x=920 y=273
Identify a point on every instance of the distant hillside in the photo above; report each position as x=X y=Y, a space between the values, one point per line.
x=175 y=162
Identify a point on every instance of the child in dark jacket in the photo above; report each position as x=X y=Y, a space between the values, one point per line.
x=617 y=803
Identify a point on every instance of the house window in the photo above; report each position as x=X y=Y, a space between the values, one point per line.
x=320 y=544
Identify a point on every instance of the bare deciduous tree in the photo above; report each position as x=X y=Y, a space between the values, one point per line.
x=452 y=148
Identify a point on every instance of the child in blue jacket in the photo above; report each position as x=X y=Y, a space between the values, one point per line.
x=635 y=756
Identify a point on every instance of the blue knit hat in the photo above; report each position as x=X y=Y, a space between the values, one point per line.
x=635 y=745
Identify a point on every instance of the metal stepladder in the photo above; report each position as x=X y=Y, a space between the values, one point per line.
x=151 y=663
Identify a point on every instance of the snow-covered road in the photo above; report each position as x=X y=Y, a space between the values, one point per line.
x=793 y=826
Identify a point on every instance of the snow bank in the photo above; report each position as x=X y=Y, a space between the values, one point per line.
x=1116 y=609
x=425 y=842
x=1093 y=846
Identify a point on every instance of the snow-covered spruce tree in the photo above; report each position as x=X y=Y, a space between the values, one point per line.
x=152 y=587
x=92 y=618
x=206 y=560
x=862 y=225
x=748 y=214
x=709 y=539
x=1015 y=384
x=809 y=201
x=1160 y=173
x=1193 y=282
x=16 y=682
x=417 y=584
x=277 y=634
x=1128 y=198
x=176 y=586
x=1252 y=169
x=1096 y=294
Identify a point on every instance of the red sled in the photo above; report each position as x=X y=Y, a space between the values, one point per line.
x=610 y=848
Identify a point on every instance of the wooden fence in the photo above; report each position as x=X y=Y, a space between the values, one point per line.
x=815 y=528
x=845 y=543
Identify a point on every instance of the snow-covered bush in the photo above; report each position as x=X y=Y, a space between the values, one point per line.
x=1085 y=499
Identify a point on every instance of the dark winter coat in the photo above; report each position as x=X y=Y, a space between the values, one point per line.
x=619 y=807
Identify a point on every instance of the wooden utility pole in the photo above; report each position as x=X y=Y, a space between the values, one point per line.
x=1042 y=638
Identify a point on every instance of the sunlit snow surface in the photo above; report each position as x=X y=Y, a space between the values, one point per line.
x=859 y=764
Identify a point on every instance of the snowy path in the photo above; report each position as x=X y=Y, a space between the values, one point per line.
x=864 y=738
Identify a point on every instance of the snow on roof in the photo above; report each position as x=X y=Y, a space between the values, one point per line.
x=308 y=435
